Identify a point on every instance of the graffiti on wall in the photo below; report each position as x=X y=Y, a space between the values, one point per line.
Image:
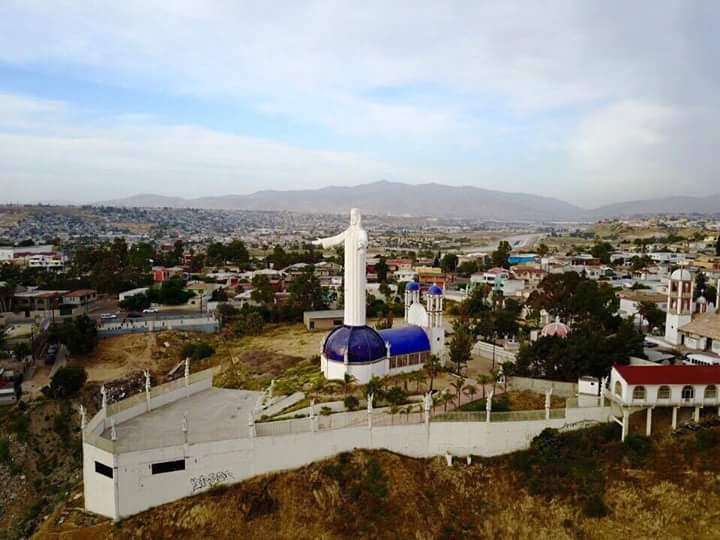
x=208 y=480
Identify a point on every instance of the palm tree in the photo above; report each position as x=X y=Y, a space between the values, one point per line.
x=483 y=380
x=348 y=380
x=470 y=390
x=419 y=378
x=445 y=398
x=458 y=384
x=432 y=366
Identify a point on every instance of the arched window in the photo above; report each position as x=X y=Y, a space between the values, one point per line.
x=688 y=392
x=618 y=388
x=663 y=392
x=710 y=391
x=639 y=392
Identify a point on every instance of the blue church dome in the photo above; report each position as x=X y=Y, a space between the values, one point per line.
x=362 y=343
x=412 y=286
x=435 y=291
x=406 y=340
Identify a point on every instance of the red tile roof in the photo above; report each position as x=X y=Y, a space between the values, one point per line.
x=80 y=292
x=670 y=374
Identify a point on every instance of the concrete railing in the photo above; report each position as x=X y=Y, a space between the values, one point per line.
x=501 y=354
x=559 y=388
x=197 y=323
x=133 y=406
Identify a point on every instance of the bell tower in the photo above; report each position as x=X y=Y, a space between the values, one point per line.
x=680 y=304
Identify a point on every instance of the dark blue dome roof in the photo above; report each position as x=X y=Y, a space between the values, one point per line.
x=435 y=290
x=362 y=343
x=406 y=340
x=412 y=286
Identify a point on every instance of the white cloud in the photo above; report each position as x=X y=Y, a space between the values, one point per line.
x=636 y=149
x=126 y=155
x=639 y=79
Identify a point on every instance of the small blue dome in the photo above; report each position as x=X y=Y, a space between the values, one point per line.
x=412 y=286
x=362 y=343
x=435 y=291
x=406 y=340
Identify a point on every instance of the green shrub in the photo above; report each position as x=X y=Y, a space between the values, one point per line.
x=197 y=351
x=67 y=381
x=351 y=403
x=706 y=439
x=595 y=506
x=636 y=448
x=20 y=425
x=395 y=395
x=499 y=404
x=5 y=451
x=249 y=324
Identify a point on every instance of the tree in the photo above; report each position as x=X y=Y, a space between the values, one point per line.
x=588 y=350
x=375 y=388
x=500 y=256
x=197 y=350
x=458 y=385
x=21 y=350
x=306 y=293
x=602 y=251
x=249 y=323
x=650 y=312
x=573 y=297
x=468 y=268
x=395 y=395
x=236 y=252
x=171 y=292
x=476 y=302
x=67 y=381
x=348 y=381
x=461 y=344
x=700 y=285
x=418 y=377
x=470 y=391
x=140 y=256
x=262 y=291
x=136 y=302
x=351 y=403
x=449 y=263
x=78 y=334
x=381 y=269
x=483 y=379
x=717 y=247
x=542 y=249
x=432 y=367
x=385 y=290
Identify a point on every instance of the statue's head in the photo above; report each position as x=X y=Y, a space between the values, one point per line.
x=355 y=217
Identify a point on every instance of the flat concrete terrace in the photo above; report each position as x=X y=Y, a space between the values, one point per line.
x=212 y=415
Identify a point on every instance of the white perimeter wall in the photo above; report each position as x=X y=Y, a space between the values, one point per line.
x=225 y=462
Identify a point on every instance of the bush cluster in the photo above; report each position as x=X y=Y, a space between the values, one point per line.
x=568 y=465
x=197 y=350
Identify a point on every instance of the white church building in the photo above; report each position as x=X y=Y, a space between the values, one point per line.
x=693 y=324
x=359 y=350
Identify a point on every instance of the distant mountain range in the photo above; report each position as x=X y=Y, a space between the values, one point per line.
x=398 y=199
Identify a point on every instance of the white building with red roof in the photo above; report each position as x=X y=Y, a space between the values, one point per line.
x=636 y=388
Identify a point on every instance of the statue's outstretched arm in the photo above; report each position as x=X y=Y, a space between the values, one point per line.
x=332 y=241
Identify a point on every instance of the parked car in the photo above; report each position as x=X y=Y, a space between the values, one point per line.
x=108 y=316
x=151 y=310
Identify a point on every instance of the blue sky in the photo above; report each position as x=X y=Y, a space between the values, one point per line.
x=591 y=102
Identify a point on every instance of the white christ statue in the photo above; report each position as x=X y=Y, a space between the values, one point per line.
x=355 y=241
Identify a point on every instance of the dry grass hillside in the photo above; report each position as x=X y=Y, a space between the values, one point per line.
x=578 y=485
